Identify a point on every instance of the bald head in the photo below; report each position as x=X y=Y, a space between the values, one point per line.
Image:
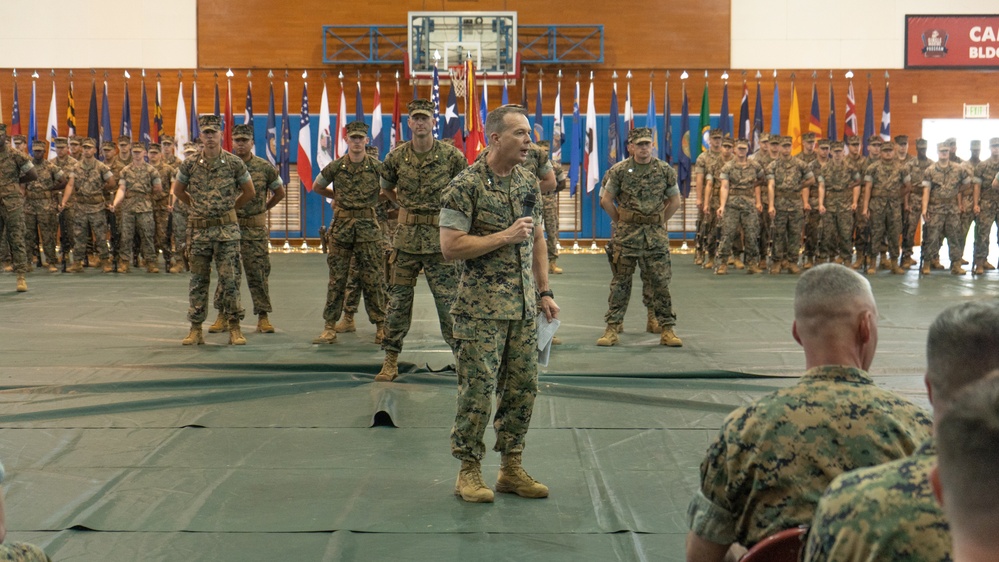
x=962 y=347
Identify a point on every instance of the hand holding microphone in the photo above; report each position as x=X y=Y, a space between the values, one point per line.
x=528 y=225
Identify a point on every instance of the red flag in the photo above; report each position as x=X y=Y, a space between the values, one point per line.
x=229 y=123
x=341 y=125
x=476 y=140
x=396 y=121
x=850 y=128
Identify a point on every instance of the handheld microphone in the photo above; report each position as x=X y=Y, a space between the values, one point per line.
x=529 y=200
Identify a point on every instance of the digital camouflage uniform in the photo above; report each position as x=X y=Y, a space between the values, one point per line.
x=550 y=210
x=810 y=219
x=772 y=460
x=740 y=209
x=706 y=222
x=13 y=165
x=838 y=183
x=68 y=166
x=968 y=210
x=41 y=212
x=161 y=215
x=213 y=185
x=88 y=204
x=988 y=201
x=117 y=164
x=917 y=168
x=789 y=175
x=641 y=240
x=888 y=179
x=420 y=182
x=494 y=312
x=352 y=296
x=252 y=220
x=861 y=229
x=884 y=512
x=354 y=233
x=944 y=219
x=712 y=225
x=139 y=179
x=763 y=158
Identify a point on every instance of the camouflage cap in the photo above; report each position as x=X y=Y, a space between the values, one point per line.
x=357 y=129
x=190 y=147
x=61 y=142
x=808 y=137
x=108 y=145
x=951 y=140
x=371 y=151
x=853 y=139
x=943 y=146
x=210 y=123
x=874 y=140
x=785 y=141
x=20 y=139
x=75 y=140
x=421 y=106
x=154 y=147
x=727 y=141
x=167 y=139
x=741 y=143
x=88 y=142
x=824 y=143
x=921 y=143
x=994 y=141
x=244 y=131
x=887 y=146
x=138 y=146
x=901 y=139
x=764 y=138
x=40 y=145
x=836 y=146
x=976 y=145
x=775 y=139
x=716 y=134
x=124 y=139
x=640 y=134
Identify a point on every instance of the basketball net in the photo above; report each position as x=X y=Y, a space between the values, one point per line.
x=458 y=83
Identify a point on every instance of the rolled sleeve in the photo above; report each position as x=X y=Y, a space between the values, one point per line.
x=672 y=190
x=710 y=521
x=455 y=220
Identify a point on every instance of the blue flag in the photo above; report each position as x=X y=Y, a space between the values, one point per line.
x=126 y=115
x=452 y=124
x=757 y=119
x=745 y=127
x=15 y=116
x=93 y=118
x=144 y=137
x=650 y=121
x=539 y=127
x=32 y=119
x=615 y=144
x=359 y=104
x=105 y=120
x=725 y=127
x=193 y=126
x=868 y=118
x=285 y=163
x=775 y=112
x=271 y=135
x=248 y=113
x=683 y=157
x=667 y=147
x=575 y=157
x=886 y=117
x=435 y=99
x=506 y=94
x=831 y=124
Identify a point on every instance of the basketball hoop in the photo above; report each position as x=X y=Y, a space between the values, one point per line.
x=457 y=79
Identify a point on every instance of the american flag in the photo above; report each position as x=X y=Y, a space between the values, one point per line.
x=435 y=98
x=850 y=125
x=305 y=142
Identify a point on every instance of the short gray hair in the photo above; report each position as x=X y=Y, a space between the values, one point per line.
x=962 y=346
x=496 y=120
x=825 y=291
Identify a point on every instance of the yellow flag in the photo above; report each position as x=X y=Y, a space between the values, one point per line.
x=794 y=122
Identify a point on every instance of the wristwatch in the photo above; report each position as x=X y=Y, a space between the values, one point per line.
x=547 y=293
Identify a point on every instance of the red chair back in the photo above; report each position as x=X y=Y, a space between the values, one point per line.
x=784 y=546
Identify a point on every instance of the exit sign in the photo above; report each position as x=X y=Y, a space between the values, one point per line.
x=976 y=111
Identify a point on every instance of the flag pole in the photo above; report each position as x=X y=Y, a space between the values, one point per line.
x=302 y=194
x=270 y=78
x=287 y=245
x=596 y=194
x=322 y=208
x=577 y=205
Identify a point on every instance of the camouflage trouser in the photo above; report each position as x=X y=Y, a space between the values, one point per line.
x=886 y=223
x=180 y=233
x=494 y=356
x=836 y=236
x=141 y=223
x=788 y=224
x=4 y=246
x=257 y=268
x=226 y=256
x=550 y=211
x=943 y=222
x=861 y=233
x=909 y=232
x=370 y=258
x=740 y=212
x=352 y=297
x=983 y=227
x=67 y=219
x=657 y=271
x=22 y=552
x=83 y=225
x=812 y=231
x=442 y=277
x=698 y=230
x=12 y=219
x=711 y=230
x=765 y=231
x=46 y=223
x=160 y=218
x=967 y=218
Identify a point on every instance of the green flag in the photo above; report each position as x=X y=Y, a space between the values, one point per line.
x=705 y=124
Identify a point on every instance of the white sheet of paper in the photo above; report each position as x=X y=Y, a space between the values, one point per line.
x=546 y=331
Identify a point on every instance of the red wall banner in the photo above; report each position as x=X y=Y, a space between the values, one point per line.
x=966 y=41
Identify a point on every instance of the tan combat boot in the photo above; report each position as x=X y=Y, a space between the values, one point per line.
x=753 y=268
x=177 y=267
x=194 y=336
x=107 y=265
x=263 y=324
x=328 y=335
x=935 y=264
x=979 y=270
x=346 y=324
x=926 y=268
x=22 y=285
x=52 y=267
x=380 y=333
x=390 y=367
x=151 y=267
x=897 y=269
x=513 y=479
x=989 y=266
x=235 y=334
x=808 y=263
x=737 y=263
x=610 y=336
x=220 y=325
x=75 y=267
x=872 y=265
x=775 y=268
x=553 y=268
x=469 y=485
x=669 y=339
x=709 y=263
x=722 y=269
x=792 y=267
x=698 y=258
x=859 y=264
x=956 y=269
x=651 y=324
x=122 y=266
